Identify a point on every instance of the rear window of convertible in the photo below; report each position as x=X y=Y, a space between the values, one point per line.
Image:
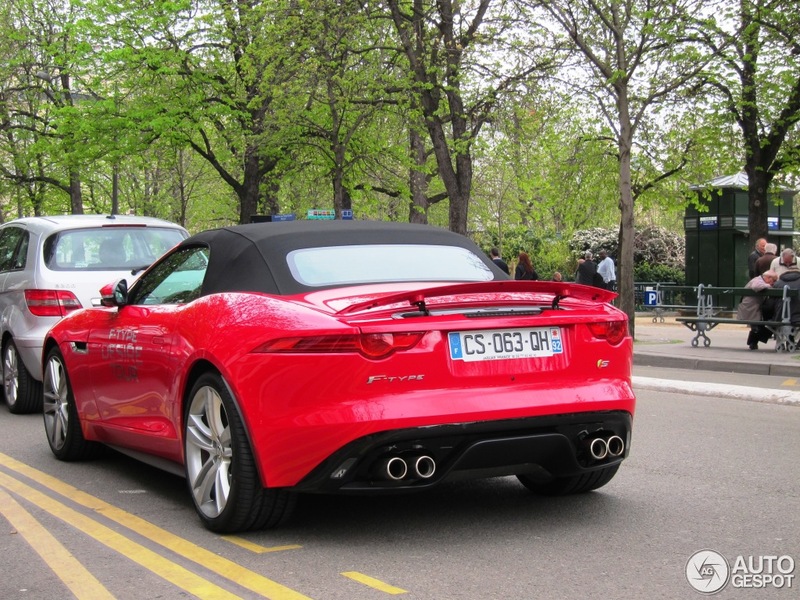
x=358 y=264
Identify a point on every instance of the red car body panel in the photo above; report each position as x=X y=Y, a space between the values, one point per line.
x=305 y=366
x=299 y=409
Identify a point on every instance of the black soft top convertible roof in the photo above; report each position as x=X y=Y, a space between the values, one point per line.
x=253 y=257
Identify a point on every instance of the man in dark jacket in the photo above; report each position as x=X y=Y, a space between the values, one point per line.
x=499 y=261
x=757 y=253
x=587 y=270
x=764 y=263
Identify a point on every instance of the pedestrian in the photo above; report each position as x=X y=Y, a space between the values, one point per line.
x=757 y=253
x=607 y=271
x=587 y=270
x=756 y=308
x=764 y=263
x=784 y=262
x=557 y=276
x=791 y=278
x=499 y=261
x=525 y=268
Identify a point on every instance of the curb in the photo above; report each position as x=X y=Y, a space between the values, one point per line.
x=737 y=392
x=703 y=364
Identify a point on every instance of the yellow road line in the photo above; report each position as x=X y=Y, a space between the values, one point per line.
x=217 y=564
x=168 y=570
x=66 y=567
x=790 y=382
x=256 y=548
x=374 y=583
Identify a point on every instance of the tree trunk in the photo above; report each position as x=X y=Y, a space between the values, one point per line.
x=758 y=183
x=75 y=194
x=248 y=192
x=115 y=189
x=457 y=181
x=270 y=200
x=418 y=182
x=341 y=199
x=627 y=229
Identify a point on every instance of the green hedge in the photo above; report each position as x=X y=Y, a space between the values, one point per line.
x=647 y=272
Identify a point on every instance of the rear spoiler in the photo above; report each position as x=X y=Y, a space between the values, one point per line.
x=558 y=289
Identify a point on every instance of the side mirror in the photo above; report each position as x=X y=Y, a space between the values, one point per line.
x=114 y=294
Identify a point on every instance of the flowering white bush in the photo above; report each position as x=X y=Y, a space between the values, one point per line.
x=651 y=245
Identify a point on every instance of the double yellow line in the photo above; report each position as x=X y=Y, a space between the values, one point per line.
x=82 y=583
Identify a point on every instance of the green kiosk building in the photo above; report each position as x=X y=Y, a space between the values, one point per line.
x=717 y=239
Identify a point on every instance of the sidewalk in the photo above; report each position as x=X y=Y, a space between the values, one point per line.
x=669 y=345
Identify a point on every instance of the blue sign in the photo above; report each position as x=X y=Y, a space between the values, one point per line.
x=650 y=298
x=708 y=222
x=347 y=214
x=289 y=217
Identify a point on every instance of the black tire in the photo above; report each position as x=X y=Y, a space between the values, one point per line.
x=22 y=392
x=61 y=421
x=220 y=469
x=577 y=484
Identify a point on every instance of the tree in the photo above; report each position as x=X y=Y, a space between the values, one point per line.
x=543 y=163
x=457 y=73
x=339 y=132
x=756 y=77
x=41 y=105
x=637 y=55
x=213 y=75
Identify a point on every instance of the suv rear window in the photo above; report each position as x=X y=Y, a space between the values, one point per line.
x=108 y=248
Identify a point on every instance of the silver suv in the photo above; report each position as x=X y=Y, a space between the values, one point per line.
x=50 y=266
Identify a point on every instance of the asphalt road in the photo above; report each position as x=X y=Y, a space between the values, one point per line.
x=705 y=472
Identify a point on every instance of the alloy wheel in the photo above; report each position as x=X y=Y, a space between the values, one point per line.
x=208 y=452
x=56 y=403
x=10 y=374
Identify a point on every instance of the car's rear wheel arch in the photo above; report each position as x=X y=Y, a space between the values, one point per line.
x=62 y=422
x=22 y=393
x=197 y=370
x=49 y=344
x=194 y=373
x=217 y=449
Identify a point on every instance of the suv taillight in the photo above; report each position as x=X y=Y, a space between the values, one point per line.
x=51 y=303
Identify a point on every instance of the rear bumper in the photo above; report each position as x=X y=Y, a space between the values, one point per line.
x=547 y=446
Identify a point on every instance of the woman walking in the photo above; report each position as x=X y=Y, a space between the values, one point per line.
x=525 y=269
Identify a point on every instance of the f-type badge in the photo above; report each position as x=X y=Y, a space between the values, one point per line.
x=393 y=378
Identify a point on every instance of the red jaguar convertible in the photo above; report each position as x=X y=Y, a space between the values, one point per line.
x=265 y=360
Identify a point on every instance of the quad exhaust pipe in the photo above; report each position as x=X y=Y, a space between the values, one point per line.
x=410 y=467
x=601 y=448
x=397 y=468
x=615 y=446
x=424 y=467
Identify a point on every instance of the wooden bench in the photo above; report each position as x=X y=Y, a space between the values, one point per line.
x=786 y=335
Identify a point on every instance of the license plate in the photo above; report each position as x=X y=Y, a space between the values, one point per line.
x=502 y=344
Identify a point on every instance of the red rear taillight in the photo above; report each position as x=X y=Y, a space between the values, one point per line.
x=612 y=331
x=370 y=345
x=51 y=303
x=379 y=345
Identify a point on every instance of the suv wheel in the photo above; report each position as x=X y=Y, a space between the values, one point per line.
x=23 y=393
